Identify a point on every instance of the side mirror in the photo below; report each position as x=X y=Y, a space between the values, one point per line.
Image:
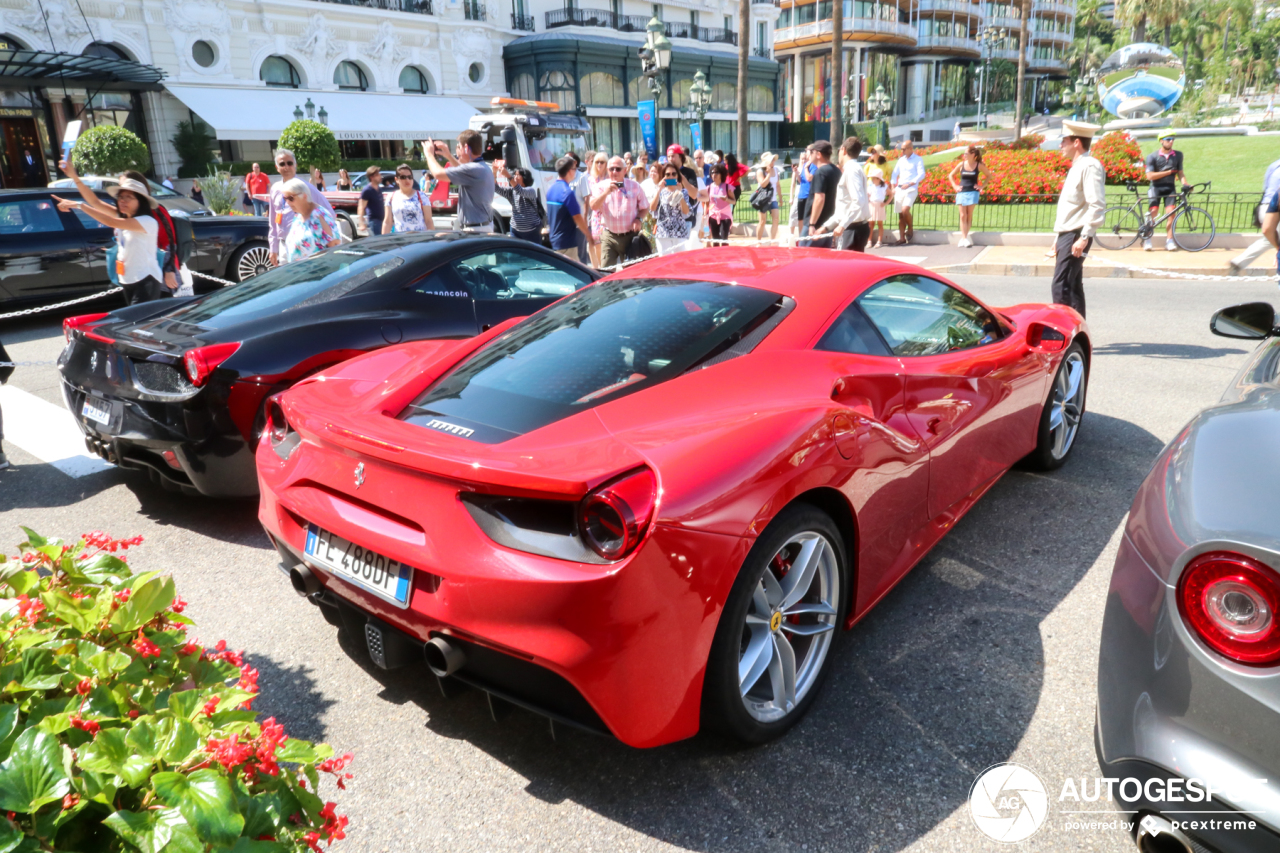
x=510 y=148
x=1045 y=338
x=1252 y=321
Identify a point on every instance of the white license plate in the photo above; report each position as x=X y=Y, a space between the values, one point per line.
x=384 y=577
x=96 y=410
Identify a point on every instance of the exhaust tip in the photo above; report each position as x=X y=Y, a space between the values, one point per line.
x=304 y=583
x=1156 y=834
x=443 y=657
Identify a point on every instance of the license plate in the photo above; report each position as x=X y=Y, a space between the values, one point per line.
x=96 y=410
x=384 y=577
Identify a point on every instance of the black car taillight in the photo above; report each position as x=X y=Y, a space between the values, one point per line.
x=1232 y=603
x=283 y=437
x=202 y=361
x=80 y=322
x=613 y=518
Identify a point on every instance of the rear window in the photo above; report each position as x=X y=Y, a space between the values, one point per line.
x=601 y=343
x=319 y=279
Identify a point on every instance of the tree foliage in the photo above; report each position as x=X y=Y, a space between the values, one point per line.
x=312 y=144
x=194 y=144
x=109 y=150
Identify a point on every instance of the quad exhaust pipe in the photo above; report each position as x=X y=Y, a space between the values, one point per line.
x=1156 y=834
x=443 y=657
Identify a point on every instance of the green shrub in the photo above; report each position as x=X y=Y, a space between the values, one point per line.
x=109 y=150
x=194 y=144
x=312 y=144
x=118 y=733
x=221 y=191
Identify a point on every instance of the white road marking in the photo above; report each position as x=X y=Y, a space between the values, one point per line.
x=47 y=432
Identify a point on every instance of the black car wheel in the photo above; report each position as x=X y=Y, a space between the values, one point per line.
x=772 y=648
x=1063 y=412
x=346 y=225
x=249 y=260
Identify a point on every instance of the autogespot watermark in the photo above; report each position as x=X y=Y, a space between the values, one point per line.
x=1009 y=802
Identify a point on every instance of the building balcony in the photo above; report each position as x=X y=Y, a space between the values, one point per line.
x=948 y=44
x=1049 y=65
x=608 y=20
x=763 y=51
x=1049 y=7
x=522 y=22
x=419 y=7
x=1049 y=37
x=474 y=11
x=774 y=3
x=949 y=7
x=1003 y=21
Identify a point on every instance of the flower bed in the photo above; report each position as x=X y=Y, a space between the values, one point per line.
x=1011 y=176
x=1121 y=156
x=119 y=733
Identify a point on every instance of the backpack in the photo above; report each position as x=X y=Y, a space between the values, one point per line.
x=640 y=248
x=181 y=239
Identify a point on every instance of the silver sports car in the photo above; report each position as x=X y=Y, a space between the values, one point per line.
x=1189 y=673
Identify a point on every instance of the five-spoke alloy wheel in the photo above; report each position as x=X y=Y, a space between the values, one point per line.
x=772 y=647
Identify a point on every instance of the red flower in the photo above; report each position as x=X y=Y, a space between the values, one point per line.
x=84 y=687
x=210 y=707
x=229 y=752
x=144 y=647
x=79 y=722
x=70 y=801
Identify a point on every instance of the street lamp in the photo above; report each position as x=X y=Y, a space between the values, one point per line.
x=324 y=116
x=311 y=109
x=297 y=113
x=990 y=37
x=879 y=103
x=655 y=55
x=850 y=101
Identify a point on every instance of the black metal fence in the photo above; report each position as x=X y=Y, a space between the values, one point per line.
x=1231 y=212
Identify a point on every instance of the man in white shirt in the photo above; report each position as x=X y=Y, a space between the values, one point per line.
x=850 y=224
x=1081 y=208
x=908 y=172
x=1270 y=186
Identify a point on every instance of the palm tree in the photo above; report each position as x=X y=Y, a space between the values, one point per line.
x=1133 y=13
x=1087 y=17
x=837 y=69
x=1166 y=13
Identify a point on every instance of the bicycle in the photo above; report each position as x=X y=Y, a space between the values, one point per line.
x=1122 y=226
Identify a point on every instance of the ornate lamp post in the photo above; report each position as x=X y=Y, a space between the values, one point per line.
x=324 y=116
x=297 y=113
x=879 y=103
x=850 y=100
x=990 y=37
x=655 y=56
x=311 y=109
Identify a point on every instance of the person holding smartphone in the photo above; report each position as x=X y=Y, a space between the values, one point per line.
x=672 y=214
x=621 y=206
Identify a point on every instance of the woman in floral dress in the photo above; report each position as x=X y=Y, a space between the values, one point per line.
x=673 y=210
x=313 y=228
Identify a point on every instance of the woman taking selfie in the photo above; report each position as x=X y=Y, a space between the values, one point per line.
x=313 y=228
x=407 y=209
x=137 y=265
x=672 y=212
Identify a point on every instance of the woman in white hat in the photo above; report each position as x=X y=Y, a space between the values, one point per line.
x=767 y=172
x=137 y=262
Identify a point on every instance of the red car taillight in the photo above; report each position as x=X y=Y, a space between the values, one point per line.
x=201 y=362
x=71 y=324
x=1231 y=602
x=613 y=518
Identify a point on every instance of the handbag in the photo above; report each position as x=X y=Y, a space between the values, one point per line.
x=762 y=199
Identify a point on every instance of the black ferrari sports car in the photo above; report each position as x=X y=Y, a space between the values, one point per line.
x=177 y=387
x=47 y=255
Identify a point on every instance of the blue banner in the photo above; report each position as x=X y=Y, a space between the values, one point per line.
x=649 y=127
x=695 y=131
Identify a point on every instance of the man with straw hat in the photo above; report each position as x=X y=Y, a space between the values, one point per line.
x=1081 y=206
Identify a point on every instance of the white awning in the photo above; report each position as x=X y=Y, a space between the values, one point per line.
x=253 y=114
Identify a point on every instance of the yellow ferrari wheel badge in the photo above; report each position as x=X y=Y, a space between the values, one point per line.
x=775 y=621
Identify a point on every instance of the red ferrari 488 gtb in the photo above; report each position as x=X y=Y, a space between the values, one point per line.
x=652 y=505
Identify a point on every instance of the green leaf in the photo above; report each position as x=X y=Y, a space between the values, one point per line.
x=298 y=751
x=35 y=540
x=182 y=741
x=8 y=720
x=110 y=752
x=142 y=739
x=103 y=569
x=144 y=603
x=248 y=845
x=183 y=704
x=32 y=775
x=99 y=787
x=145 y=831
x=206 y=800
x=184 y=837
x=76 y=612
x=23 y=582
x=108 y=663
x=10 y=836
x=39 y=671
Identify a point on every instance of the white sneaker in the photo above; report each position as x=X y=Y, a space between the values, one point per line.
x=1170 y=246
x=1146 y=245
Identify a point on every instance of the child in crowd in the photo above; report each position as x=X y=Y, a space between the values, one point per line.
x=721 y=216
x=876 y=193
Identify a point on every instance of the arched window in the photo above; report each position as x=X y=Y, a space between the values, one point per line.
x=280 y=73
x=522 y=87
x=350 y=77
x=8 y=42
x=558 y=88
x=724 y=96
x=680 y=93
x=106 y=51
x=760 y=99
x=602 y=88
x=414 y=81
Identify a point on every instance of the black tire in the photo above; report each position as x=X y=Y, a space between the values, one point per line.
x=252 y=257
x=501 y=225
x=1193 y=229
x=1049 y=454
x=724 y=705
x=346 y=225
x=1120 y=228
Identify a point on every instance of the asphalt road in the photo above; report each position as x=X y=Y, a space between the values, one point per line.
x=985 y=653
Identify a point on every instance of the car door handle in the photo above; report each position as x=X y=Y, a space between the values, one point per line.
x=933 y=425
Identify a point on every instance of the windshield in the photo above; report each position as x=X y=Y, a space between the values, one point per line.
x=319 y=279
x=544 y=152
x=604 y=342
x=156 y=190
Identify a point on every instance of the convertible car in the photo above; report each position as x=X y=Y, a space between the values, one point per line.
x=1189 y=671
x=652 y=505
x=176 y=387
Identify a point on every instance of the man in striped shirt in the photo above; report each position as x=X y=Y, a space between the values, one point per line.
x=526 y=218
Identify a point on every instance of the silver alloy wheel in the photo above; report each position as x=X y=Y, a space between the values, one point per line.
x=1067 y=406
x=789 y=626
x=255 y=261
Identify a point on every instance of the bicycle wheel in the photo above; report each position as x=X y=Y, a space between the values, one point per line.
x=1119 y=229
x=1193 y=229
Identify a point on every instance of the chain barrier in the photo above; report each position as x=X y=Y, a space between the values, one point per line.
x=1186 y=275
x=221 y=281
x=26 y=363
x=61 y=304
